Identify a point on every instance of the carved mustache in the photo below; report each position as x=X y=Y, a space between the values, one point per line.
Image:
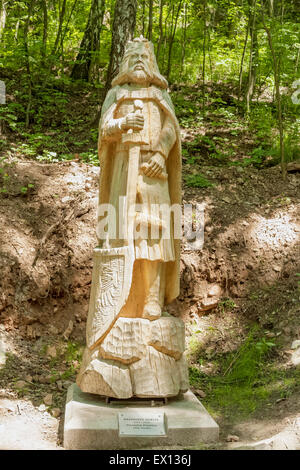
x=140 y=63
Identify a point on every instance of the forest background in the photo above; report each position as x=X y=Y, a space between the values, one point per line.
x=252 y=46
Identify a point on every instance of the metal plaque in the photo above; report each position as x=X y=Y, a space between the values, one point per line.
x=139 y=423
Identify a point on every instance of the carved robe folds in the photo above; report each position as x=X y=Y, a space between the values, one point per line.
x=133 y=348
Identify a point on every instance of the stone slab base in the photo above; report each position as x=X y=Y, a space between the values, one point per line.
x=91 y=423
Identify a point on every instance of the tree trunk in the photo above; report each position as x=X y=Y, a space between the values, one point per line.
x=28 y=69
x=45 y=31
x=204 y=57
x=276 y=68
x=90 y=42
x=68 y=21
x=172 y=36
x=60 y=25
x=253 y=54
x=161 y=33
x=123 y=30
x=143 y=18
x=3 y=13
x=183 y=45
x=150 y=22
x=243 y=58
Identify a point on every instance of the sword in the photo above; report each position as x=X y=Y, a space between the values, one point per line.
x=133 y=140
x=112 y=270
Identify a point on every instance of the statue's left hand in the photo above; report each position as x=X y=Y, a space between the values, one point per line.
x=155 y=166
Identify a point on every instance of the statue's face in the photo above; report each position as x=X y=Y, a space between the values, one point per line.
x=139 y=64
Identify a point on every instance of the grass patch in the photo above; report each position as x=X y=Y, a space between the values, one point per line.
x=197 y=181
x=247 y=380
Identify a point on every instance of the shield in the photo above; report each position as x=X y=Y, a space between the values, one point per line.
x=111 y=281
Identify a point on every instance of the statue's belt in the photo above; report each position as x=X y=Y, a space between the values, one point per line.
x=150 y=93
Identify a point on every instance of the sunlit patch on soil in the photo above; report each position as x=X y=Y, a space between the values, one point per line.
x=276 y=232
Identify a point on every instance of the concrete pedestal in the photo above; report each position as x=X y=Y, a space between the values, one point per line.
x=91 y=423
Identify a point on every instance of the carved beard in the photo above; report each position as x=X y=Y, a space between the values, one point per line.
x=139 y=76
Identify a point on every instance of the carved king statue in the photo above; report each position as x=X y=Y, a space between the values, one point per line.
x=133 y=347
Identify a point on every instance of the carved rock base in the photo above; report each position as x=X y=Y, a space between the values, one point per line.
x=138 y=357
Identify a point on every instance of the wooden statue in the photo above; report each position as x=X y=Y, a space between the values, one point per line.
x=133 y=347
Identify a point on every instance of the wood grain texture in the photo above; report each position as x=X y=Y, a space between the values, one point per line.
x=126 y=341
x=156 y=375
x=104 y=377
x=167 y=335
x=183 y=374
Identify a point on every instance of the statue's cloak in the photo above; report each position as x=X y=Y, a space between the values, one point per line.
x=107 y=153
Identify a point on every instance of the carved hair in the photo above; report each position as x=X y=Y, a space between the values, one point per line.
x=123 y=76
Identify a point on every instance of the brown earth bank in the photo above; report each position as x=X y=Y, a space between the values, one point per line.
x=251 y=240
x=245 y=272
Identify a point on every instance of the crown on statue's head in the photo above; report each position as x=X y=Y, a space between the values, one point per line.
x=140 y=39
x=156 y=78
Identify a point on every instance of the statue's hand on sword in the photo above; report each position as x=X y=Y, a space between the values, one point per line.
x=134 y=121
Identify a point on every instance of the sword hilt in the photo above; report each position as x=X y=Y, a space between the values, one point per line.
x=132 y=137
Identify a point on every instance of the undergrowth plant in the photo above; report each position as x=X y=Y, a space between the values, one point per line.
x=246 y=379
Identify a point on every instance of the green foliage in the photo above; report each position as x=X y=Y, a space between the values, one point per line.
x=197 y=181
x=246 y=380
x=226 y=304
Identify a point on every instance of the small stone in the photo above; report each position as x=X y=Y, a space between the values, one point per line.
x=28 y=378
x=42 y=407
x=20 y=384
x=295 y=358
x=200 y=393
x=51 y=351
x=277 y=269
x=67 y=383
x=69 y=330
x=56 y=412
x=226 y=199
x=214 y=291
x=59 y=385
x=232 y=438
x=53 y=330
x=295 y=344
x=208 y=304
x=48 y=399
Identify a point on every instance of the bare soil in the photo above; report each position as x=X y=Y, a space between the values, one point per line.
x=250 y=256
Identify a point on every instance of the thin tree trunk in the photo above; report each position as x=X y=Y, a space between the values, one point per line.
x=276 y=67
x=90 y=42
x=68 y=21
x=204 y=57
x=28 y=69
x=253 y=55
x=173 y=31
x=45 y=31
x=150 y=22
x=297 y=61
x=243 y=58
x=143 y=18
x=184 y=23
x=61 y=20
x=3 y=14
x=161 y=33
x=123 y=30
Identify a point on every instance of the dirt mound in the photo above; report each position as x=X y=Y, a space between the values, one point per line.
x=251 y=239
